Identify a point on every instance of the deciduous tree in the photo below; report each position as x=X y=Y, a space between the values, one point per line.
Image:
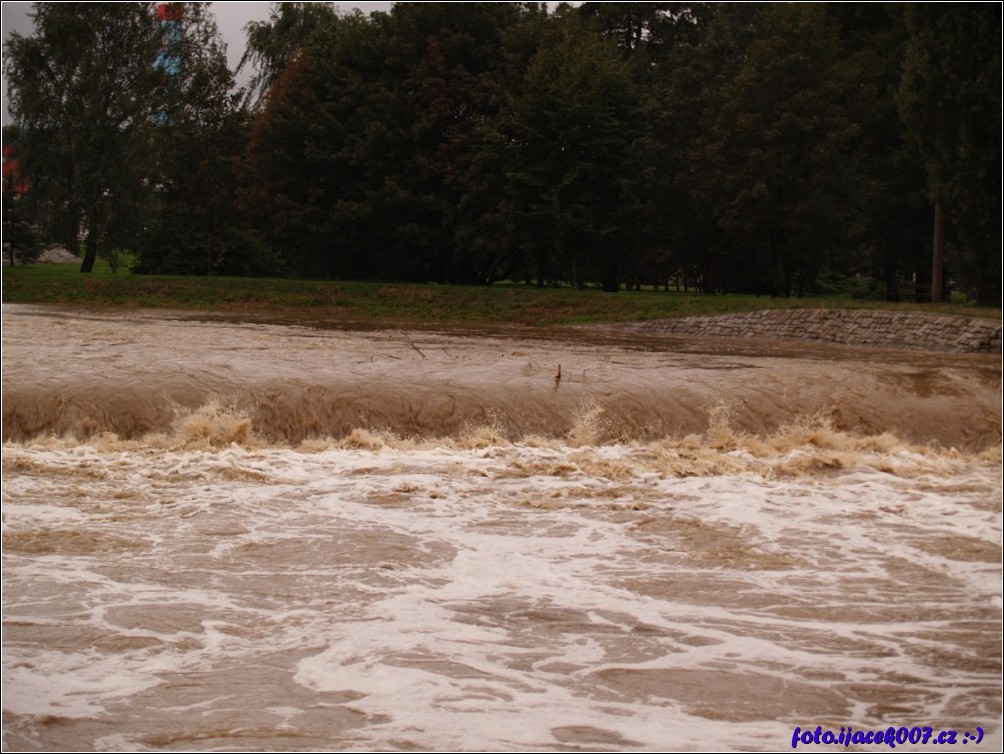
x=83 y=89
x=571 y=132
x=273 y=45
x=191 y=225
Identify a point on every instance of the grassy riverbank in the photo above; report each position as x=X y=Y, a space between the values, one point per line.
x=398 y=302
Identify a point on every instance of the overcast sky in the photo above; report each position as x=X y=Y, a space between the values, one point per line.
x=230 y=17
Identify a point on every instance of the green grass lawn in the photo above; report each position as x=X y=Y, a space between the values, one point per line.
x=398 y=302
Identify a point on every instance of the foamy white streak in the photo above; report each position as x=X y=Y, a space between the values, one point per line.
x=502 y=598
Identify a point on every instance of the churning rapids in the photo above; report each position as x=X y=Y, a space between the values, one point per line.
x=260 y=536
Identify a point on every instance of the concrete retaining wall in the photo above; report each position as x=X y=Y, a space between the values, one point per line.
x=904 y=330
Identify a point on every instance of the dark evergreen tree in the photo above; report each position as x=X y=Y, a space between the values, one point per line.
x=783 y=152
x=455 y=69
x=950 y=102
x=893 y=248
x=571 y=131
x=686 y=171
x=651 y=37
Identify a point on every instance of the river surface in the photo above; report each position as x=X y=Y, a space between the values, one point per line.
x=234 y=535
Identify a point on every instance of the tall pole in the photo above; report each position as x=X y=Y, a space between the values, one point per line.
x=937 y=264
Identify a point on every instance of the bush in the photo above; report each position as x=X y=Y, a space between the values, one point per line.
x=854 y=286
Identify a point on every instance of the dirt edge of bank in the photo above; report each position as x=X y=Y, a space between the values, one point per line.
x=911 y=331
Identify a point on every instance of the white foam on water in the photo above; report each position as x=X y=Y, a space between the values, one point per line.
x=668 y=549
x=496 y=598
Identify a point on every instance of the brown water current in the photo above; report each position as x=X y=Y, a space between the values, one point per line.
x=230 y=535
x=136 y=374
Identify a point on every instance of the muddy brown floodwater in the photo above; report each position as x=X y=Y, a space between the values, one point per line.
x=225 y=535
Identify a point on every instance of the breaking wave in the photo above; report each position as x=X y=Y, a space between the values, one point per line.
x=586 y=543
x=171 y=382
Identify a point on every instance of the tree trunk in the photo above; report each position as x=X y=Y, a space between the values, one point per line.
x=91 y=247
x=611 y=279
x=211 y=244
x=937 y=261
x=538 y=259
x=778 y=273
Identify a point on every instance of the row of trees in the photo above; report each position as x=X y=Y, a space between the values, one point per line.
x=778 y=148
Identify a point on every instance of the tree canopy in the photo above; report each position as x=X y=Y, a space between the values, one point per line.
x=770 y=148
x=950 y=101
x=83 y=91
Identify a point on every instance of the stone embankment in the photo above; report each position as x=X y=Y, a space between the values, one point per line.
x=913 y=331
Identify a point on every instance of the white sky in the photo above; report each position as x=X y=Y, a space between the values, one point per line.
x=230 y=17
